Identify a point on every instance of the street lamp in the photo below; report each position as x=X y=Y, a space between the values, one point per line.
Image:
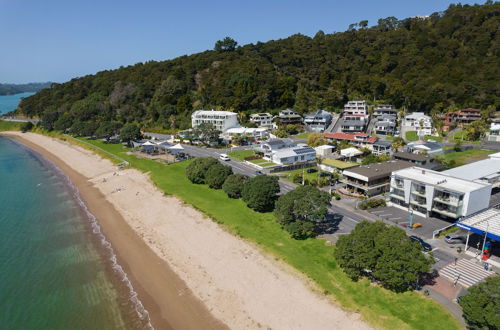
x=410 y=219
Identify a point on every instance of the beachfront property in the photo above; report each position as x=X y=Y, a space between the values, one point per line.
x=289 y=116
x=334 y=165
x=373 y=179
x=351 y=154
x=357 y=139
x=384 y=109
x=419 y=122
x=293 y=155
x=464 y=116
x=353 y=123
x=355 y=108
x=318 y=121
x=386 y=125
x=221 y=120
x=431 y=193
x=260 y=133
x=325 y=150
x=494 y=134
x=419 y=160
x=381 y=148
x=272 y=145
x=483 y=171
x=262 y=119
x=428 y=147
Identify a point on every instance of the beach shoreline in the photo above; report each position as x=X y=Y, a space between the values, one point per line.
x=188 y=271
x=159 y=290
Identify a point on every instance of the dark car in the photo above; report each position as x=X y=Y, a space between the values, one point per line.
x=312 y=170
x=258 y=173
x=425 y=246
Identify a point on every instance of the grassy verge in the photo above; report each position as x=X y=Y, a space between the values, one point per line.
x=304 y=135
x=9 y=126
x=242 y=154
x=380 y=307
x=447 y=231
x=411 y=136
x=434 y=138
x=467 y=156
x=288 y=175
x=462 y=137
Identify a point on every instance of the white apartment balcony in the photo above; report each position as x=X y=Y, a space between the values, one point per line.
x=445 y=211
x=453 y=201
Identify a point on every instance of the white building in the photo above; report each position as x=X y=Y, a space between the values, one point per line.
x=431 y=193
x=419 y=122
x=485 y=171
x=325 y=150
x=262 y=119
x=494 y=134
x=255 y=133
x=384 y=109
x=299 y=154
x=221 y=120
x=356 y=108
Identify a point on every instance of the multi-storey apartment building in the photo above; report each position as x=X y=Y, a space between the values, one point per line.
x=289 y=116
x=384 y=109
x=419 y=122
x=262 y=119
x=318 y=121
x=355 y=108
x=221 y=120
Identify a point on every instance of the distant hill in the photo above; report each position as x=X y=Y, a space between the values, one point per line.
x=446 y=59
x=10 y=89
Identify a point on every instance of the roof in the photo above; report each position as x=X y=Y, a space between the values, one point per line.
x=245 y=130
x=417 y=115
x=484 y=169
x=411 y=156
x=350 y=136
x=293 y=151
x=383 y=144
x=214 y=112
x=353 y=122
x=262 y=114
x=350 y=152
x=274 y=142
x=337 y=163
x=385 y=124
x=378 y=170
x=318 y=114
x=439 y=179
x=484 y=221
x=325 y=147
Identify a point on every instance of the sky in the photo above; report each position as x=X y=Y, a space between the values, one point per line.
x=56 y=40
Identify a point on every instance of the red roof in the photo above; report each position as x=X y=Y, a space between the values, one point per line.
x=350 y=136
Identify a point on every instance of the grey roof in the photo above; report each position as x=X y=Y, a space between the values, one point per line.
x=294 y=151
x=379 y=170
x=386 y=144
x=411 y=156
x=481 y=169
x=320 y=114
x=385 y=124
x=353 y=123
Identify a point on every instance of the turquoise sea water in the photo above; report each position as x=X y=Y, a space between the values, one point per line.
x=10 y=102
x=57 y=271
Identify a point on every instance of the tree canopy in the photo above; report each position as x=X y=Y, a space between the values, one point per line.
x=481 y=304
x=260 y=192
x=129 y=133
x=217 y=174
x=427 y=64
x=197 y=169
x=234 y=185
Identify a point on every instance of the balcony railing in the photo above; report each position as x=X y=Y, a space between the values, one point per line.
x=453 y=201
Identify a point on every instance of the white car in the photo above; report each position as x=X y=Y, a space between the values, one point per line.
x=224 y=157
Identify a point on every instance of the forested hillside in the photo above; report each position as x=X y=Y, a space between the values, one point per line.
x=426 y=64
x=10 y=89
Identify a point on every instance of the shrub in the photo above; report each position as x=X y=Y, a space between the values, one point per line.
x=234 y=185
x=260 y=192
x=27 y=126
x=217 y=174
x=372 y=203
x=197 y=169
x=300 y=229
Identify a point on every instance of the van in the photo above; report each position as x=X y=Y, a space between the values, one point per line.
x=224 y=157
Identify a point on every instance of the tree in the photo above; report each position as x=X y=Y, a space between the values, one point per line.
x=217 y=174
x=384 y=253
x=481 y=304
x=234 y=185
x=206 y=132
x=316 y=139
x=107 y=129
x=26 y=126
x=397 y=143
x=305 y=204
x=260 y=192
x=49 y=119
x=197 y=169
x=129 y=133
x=226 y=45
x=363 y=24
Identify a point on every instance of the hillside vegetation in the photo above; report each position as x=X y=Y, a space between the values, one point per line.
x=11 y=89
x=449 y=59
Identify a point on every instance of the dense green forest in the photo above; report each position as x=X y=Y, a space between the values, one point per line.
x=448 y=59
x=10 y=89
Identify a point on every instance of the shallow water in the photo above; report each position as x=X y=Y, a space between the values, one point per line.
x=10 y=102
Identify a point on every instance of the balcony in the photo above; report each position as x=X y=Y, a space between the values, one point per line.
x=445 y=211
x=418 y=192
x=420 y=202
x=393 y=195
x=452 y=201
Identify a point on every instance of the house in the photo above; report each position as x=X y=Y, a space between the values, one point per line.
x=382 y=148
x=355 y=108
x=485 y=171
x=259 y=133
x=289 y=116
x=419 y=122
x=268 y=147
x=325 y=150
x=221 y=120
x=494 y=134
x=386 y=125
x=335 y=165
x=384 y=109
x=357 y=139
x=354 y=123
x=417 y=159
x=427 y=147
x=318 y=121
x=350 y=153
x=373 y=179
x=262 y=119
x=431 y=193
x=464 y=116
x=299 y=154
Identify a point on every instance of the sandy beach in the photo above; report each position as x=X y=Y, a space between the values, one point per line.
x=188 y=272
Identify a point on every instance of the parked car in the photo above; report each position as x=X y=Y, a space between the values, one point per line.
x=454 y=239
x=224 y=157
x=425 y=246
x=258 y=173
x=311 y=170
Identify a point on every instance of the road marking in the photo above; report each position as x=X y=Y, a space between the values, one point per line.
x=436 y=248
x=347 y=218
x=395 y=218
x=378 y=212
x=384 y=215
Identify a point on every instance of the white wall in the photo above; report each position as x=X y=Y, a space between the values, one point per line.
x=477 y=200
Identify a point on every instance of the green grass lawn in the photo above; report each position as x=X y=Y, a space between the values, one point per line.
x=258 y=161
x=288 y=175
x=411 y=136
x=462 y=137
x=467 y=156
x=435 y=138
x=382 y=308
x=242 y=154
x=9 y=125
x=304 y=135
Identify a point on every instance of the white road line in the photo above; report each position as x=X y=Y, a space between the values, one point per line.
x=384 y=215
x=395 y=218
x=347 y=218
x=436 y=248
x=378 y=212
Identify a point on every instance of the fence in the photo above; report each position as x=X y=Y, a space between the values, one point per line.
x=292 y=167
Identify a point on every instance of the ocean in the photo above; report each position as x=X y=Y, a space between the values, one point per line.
x=57 y=271
x=10 y=102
